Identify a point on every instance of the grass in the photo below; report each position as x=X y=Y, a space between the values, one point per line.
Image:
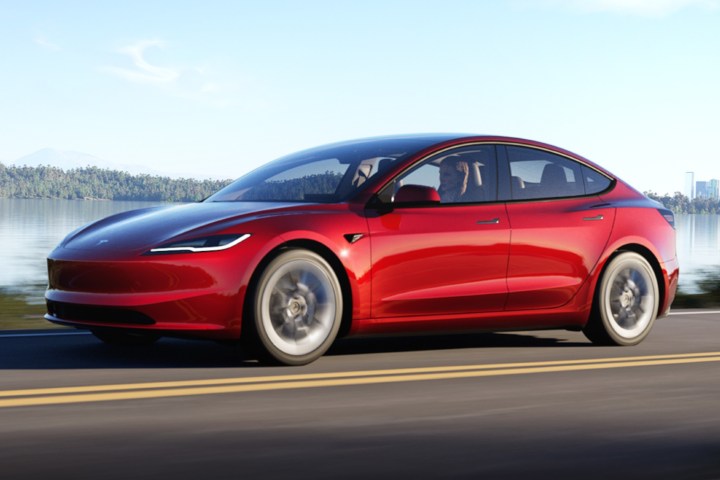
x=696 y=300
x=708 y=294
x=23 y=309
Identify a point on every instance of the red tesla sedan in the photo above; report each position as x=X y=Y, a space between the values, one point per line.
x=394 y=234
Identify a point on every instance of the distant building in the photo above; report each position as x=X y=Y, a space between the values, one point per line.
x=714 y=189
x=701 y=189
x=690 y=185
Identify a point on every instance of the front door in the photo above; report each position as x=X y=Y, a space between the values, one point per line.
x=446 y=258
x=439 y=260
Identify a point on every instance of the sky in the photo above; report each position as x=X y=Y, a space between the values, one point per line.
x=215 y=88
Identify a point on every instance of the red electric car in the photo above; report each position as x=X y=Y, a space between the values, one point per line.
x=394 y=234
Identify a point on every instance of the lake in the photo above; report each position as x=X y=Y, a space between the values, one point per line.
x=30 y=229
x=698 y=247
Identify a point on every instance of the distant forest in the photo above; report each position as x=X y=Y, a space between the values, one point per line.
x=98 y=183
x=679 y=203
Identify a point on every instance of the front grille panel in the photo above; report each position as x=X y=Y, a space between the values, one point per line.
x=95 y=314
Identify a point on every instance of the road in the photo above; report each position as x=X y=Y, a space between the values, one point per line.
x=510 y=405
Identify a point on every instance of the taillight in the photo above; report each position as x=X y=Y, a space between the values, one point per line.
x=668 y=215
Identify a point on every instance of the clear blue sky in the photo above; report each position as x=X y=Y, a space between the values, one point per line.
x=215 y=88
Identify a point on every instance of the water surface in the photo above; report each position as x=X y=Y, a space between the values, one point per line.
x=30 y=229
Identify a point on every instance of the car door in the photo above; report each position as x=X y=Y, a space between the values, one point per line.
x=442 y=258
x=560 y=227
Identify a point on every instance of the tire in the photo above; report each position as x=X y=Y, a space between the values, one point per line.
x=626 y=302
x=297 y=310
x=125 y=339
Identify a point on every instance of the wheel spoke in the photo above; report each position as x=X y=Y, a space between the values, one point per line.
x=287 y=329
x=285 y=285
x=294 y=277
x=302 y=329
x=279 y=297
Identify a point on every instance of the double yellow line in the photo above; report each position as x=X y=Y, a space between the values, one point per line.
x=136 y=391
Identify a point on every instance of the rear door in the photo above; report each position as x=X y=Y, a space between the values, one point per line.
x=560 y=227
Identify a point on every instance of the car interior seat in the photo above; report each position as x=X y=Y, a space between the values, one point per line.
x=553 y=181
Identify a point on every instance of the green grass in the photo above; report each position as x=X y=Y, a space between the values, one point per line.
x=696 y=300
x=23 y=310
x=708 y=295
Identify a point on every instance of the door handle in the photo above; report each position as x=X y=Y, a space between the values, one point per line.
x=594 y=219
x=492 y=221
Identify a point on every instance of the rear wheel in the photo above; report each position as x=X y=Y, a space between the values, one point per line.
x=626 y=302
x=128 y=339
x=298 y=308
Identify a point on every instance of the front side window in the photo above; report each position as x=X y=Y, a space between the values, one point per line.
x=536 y=174
x=462 y=175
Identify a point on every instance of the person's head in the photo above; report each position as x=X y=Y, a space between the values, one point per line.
x=454 y=174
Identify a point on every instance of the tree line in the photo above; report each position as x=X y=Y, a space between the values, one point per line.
x=296 y=189
x=679 y=203
x=98 y=183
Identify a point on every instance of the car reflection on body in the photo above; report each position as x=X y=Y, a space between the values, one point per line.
x=360 y=237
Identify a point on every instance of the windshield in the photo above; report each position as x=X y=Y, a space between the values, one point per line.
x=328 y=174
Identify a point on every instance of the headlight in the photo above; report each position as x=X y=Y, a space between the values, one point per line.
x=213 y=243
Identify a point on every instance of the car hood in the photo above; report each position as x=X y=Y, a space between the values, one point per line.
x=147 y=228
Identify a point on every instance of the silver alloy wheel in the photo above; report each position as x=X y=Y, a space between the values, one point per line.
x=299 y=307
x=629 y=297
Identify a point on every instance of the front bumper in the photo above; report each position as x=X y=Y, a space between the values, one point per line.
x=199 y=295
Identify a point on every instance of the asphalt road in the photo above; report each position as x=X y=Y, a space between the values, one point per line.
x=511 y=405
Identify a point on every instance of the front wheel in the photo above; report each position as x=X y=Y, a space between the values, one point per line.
x=626 y=302
x=298 y=308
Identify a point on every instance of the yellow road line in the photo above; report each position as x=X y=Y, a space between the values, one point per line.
x=329 y=375
x=100 y=393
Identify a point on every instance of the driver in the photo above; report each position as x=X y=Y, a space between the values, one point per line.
x=454 y=177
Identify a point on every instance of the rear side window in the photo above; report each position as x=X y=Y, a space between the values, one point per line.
x=537 y=174
x=595 y=182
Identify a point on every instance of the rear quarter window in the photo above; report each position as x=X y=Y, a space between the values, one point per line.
x=595 y=182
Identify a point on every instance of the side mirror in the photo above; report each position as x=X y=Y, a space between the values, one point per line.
x=417 y=194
